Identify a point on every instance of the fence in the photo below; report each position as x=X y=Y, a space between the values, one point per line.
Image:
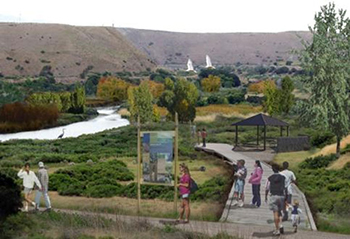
x=291 y=144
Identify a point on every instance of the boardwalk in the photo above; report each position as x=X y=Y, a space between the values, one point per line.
x=255 y=216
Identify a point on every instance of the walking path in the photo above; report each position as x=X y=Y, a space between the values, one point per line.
x=247 y=214
x=214 y=228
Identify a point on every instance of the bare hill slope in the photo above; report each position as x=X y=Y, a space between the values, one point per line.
x=69 y=50
x=173 y=49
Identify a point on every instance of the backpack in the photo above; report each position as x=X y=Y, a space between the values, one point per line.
x=193 y=186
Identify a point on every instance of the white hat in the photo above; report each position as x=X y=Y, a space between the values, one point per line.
x=41 y=164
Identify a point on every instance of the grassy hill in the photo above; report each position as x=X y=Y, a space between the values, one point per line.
x=69 y=50
x=172 y=49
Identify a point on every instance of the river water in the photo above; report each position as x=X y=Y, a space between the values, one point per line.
x=107 y=119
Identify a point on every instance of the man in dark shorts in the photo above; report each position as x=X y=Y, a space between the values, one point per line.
x=276 y=186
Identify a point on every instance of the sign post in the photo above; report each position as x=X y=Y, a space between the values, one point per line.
x=176 y=155
x=138 y=164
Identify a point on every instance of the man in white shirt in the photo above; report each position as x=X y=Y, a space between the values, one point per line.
x=29 y=178
x=290 y=178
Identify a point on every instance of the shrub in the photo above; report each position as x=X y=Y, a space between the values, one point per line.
x=318 y=162
x=10 y=194
x=321 y=139
x=282 y=70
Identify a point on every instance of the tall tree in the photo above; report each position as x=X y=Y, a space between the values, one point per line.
x=272 y=98
x=326 y=61
x=180 y=97
x=286 y=95
x=140 y=101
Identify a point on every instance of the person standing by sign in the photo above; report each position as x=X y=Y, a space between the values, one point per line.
x=204 y=136
x=184 y=187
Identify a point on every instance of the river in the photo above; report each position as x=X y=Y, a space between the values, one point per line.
x=107 y=119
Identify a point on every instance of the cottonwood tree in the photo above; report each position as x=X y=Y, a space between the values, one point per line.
x=286 y=96
x=326 y=61
x=180 y=97
x=140 y=102
x=211 y=83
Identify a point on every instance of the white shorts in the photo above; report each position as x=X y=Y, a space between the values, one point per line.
x=185 y=196
x=27 y=190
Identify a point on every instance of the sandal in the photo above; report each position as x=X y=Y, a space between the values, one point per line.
x=185 y=221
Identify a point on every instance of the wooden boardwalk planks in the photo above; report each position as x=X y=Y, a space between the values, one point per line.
x=257 y=216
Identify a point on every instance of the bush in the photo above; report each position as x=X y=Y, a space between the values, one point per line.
x=321 y=139
x=10 y=193
x=318 y=162
x=282 y=70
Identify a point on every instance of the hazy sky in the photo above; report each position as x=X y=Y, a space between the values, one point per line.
x=172 y=15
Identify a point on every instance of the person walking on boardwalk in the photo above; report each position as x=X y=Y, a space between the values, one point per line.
x=44 y=180
x=290 y=178
x=204 y=136
x=184 y=187
x=199 y=136
x=240 y=175
x=29 y=178
x=276 y=186
x=255 y=180
x=296 y=211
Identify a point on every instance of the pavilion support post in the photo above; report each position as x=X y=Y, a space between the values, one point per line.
x=264 y=137
x=257 y=135
x=236 y=143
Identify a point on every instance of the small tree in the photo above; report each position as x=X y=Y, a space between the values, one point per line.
x=272 y=98
x=327 y=64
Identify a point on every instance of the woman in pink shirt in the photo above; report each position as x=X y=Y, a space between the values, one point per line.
x=255 y=180
x=184 y=187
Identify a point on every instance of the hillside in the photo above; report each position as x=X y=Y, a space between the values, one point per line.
x=173 y=49
x=26 y=48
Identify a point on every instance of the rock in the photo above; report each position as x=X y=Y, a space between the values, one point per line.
x=202 y=168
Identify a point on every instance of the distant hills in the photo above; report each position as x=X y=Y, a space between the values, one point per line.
x=70 y=52
x=26 y=48
x=172 y=49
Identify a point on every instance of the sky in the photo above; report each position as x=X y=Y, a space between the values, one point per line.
x=172 y=15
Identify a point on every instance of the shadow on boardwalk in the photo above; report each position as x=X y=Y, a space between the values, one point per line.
x=247 y=214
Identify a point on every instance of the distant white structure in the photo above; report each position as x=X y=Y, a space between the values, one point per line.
x=190 y=65
x=209 y=65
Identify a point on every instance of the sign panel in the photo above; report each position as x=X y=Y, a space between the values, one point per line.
x=157 y=156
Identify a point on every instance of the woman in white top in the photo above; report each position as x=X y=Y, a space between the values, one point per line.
x=29 y=178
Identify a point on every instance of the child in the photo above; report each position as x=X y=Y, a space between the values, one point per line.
x=240 y=175
x=296 y=211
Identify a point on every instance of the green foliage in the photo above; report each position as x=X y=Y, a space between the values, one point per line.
x=318 y=162
x=272 y=95
x=211 y=84
x=228 y=78
x=11 y=200
x=95 y=180
x=140 y=101
x=327 y=64
x=320 y=139
x=286 y=95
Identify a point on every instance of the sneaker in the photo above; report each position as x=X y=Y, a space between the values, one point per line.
x=234 y=202
x=241 y=204
x=34 y=204
x=25 y=209
x=48 y=209
x=276 y=233
x=281 y=229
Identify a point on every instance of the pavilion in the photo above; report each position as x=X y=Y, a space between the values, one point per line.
x=263 y=121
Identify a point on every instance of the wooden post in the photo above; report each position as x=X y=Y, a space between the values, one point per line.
x=257 y=135
x=236 y=136
x=176 y=156
x=138 y=164
x=265 y=137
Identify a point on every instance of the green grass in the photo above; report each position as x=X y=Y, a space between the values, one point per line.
x=294 y=158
